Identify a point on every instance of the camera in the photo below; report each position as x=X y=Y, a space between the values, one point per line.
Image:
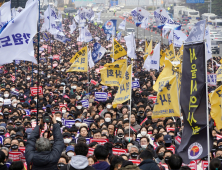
x=47 y=118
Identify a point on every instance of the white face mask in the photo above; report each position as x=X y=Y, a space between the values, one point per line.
x=128 y=139
x=74 y=87
x=79 y=107
x=12 y=89
x=28 y=78
x=67 y=140
x=35 y=100
x=107 y=119
x=48 y=76
x=77 y=124
x=109 y=106
x=14 y=105
x=70 y=154
x=143 y=146
x=143 y=133
x=6 y=95
x=78 y=97
x=126 y=119
x=1 y=104
x=63 y=111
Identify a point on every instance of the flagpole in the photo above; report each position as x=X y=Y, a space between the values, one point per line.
x=207 y=111
x=130 y=96
x=178 y=94
x=88 y=68
x=113 y=46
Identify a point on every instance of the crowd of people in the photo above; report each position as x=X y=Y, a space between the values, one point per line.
x=148 y=145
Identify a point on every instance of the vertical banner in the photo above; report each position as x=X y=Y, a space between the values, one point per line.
x=193 y=104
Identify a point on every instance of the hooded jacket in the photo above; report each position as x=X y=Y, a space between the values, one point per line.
x=45 y=160
x=78 y=162
x=101 y=165
x=148 y=164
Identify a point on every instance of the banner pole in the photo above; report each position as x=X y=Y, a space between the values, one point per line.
x=207 y=111
x=178 y=94
x=130 y=96
x=88 y=69
x=113 y=45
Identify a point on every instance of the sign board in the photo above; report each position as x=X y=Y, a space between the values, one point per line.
x=194 y=1
x=34 y=90
x=99 y=141
x=211 y=79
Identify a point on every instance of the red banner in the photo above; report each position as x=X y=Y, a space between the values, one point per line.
x=91 y=151
x=34 y=90
x=15 y=156
x=135 y=161
x=192 y=165
x=170 y=129
x=56 y=57
x=153 y=98
x=99 y=141
x=119 y=151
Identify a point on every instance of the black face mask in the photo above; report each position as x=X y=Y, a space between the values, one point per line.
x=137 y=95
x=219 y=147
x=56 y=109
x=167 y=159
x=220 y=158
x=12 y=135
x=160 y=155
x=134 y=155
x=140 y=112
x=167 y=144
x=2 y=132
x=93 y=130
x=149 y=117
x=118 y=146
x=14 y=147
x=5 y=113
x=60 y=165
x=7 y=145
x=120 y=135
x=18 y=123
x=160 y=143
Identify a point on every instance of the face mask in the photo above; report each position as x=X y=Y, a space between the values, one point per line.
x=7 y=145
x=28 y=78
x=77 y=124
x=120 y=135
x=143 y=146
x=12 y=89
x=107 y=119
x=128 y=139
x=70 y=154
x=108 y=106
x=60 y=165
x=18 y=123
x=2 y=132
x=67 y=140
x=63 y=111
x=79 y=107
x=93 y=130
x=1 y=104
x=160 y=155
x=167 y=159
x=160 y=142
x=6 y=113
x=14 y=147
x=118 y=146
x=149 y=117
x=134 y=155
x=35 y=100
x=143 y=133
x=73 y=87
x=169 y=144
x=220 y=158
x=220 y=147
x=6 y=95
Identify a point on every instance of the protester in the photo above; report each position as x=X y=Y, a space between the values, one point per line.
x=175 y=162
x=101 y=154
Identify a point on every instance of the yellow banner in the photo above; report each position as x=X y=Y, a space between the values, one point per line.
x=148 y=49
x=216 y=104
x=170 y=53
x=123 y=93
x=167 y=102
x=169 y=70
x=219 y=73
x=80 y=64
x=180 y=54
x=112 y=73
x=78 y=54
x=119 y=51
x=162 y=57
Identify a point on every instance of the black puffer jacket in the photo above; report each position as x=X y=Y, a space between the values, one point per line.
x=148 y=164
x=46 y=160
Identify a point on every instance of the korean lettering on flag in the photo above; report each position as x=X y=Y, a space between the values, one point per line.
x=85 y=35
x=167 y=104
x=135 y=84
x=124 y=90
x=119 y=51
x=89 y=13
x=95 y=51
x=101 y=96
x=16 y=40
x=80 y=64
x=61 y=38
x=139 y=14
x=170 y=53
x=109 y=26
x=112 y=73
x=161 y=16
x=211 y=79
x=179 y=38
x=85 y=103
x=78 y=54
x=122 y=25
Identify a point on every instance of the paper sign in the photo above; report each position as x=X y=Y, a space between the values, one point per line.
x=119 y=151
x=135 y=161
x=34 y=90
x=15 y=156
x=99 y=141
x=135 y=84
x=211 y=79
x=178 y=140
x=69 y=123
x=91 y=151
x=88 y=121
x=170 y=129
x=7 y=101
x=93 y=82
x=192 y=165
x=153 y=98
x=55 y=57
x=85 y=103
x=101 y=96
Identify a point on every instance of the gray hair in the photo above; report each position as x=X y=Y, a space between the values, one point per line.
x=4 y=148
x=42 y=144
x=133 y=146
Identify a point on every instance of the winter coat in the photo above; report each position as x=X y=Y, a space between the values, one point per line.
x=45 y=160
x=101 y=165
x=130 y=167
x=136 y=126
x=78 y=162
x=3 y=167
x=148 y=164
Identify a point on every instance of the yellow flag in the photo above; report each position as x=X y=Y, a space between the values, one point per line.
x=169 y=70
x=124 y=90
x=148 y=50
x=180 y=54
x=167 y=102
x=78 y=54
x=219 y=73
x=162 y=57
x=216 y=107
x=112 y=73
x=170 y=53
x=119 y=51
x=80 y=64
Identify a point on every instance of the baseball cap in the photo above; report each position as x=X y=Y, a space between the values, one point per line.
x=78 y=119
x=168 y=139
x=117 y=141
x=70 y=148
x=19 y=134
x=66 y=134
x=28 y=132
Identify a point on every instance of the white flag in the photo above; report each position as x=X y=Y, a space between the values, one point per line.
x=5 y=13
x=84 y=35
x=14 y=13
x=144 y=24
x=153 y=62
x=122 y=25
x=72 y=27
x=208 y=44
x=17 y=38
x=91 y=63
x=76 y=18
x=98 y=16
x=102 y=51
x=179 y=38
x=131 y=46
x=61 y=38
x=89 y=13
x=139 y=14
x=29 y=2
x=165 y=31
